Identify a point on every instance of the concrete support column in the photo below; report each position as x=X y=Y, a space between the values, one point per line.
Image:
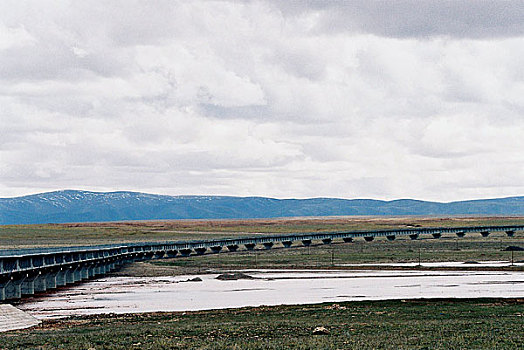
x=28 y=285
x=185 y=252
x=436 y=235
x=348 y=239
x=200 y=251
x=77 y=274
x=510 y=233
x=99 y=269
x=40 y=283
x=70 y=275
x=268 y=245
x=232 y=247
x=50 y=279
x=11 y=288
x=216 y=249
x=250 y=246
x=485 y=233
x=461 y=234
x=84 y=272
x=60 y=278
x=369 y=238
x=391 y=237
x=90 y=271
x=327 y=240
x=287 y=244
x=2 y=289
x=171 y=253
x=306 y=242
x=413 y=236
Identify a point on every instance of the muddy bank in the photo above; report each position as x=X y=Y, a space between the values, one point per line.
x=151 y=269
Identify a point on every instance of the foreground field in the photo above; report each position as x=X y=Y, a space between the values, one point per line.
x=416 y=324
x=117 y=232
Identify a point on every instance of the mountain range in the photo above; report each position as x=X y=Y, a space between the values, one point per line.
x=84 y=206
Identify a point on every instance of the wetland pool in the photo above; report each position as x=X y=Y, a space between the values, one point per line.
x=268 y=287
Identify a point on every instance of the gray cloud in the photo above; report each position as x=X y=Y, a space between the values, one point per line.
x=346 y=99
x=416 y=18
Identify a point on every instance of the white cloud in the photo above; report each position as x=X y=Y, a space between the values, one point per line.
x=260 y=98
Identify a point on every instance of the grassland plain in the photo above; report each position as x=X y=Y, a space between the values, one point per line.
x=12 y=236
x=402 y=324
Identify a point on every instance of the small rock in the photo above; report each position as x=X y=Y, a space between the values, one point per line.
x=234 y=276
x=196 y=279
x=320 y=331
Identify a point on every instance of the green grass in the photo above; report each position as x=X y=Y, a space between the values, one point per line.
x=419 y=324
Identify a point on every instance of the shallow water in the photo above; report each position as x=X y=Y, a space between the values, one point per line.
x=131 y=294
x=445 y=264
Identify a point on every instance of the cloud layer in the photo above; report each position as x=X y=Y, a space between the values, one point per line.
x=285 y=99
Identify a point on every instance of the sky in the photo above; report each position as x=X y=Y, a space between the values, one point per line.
x=286 y=99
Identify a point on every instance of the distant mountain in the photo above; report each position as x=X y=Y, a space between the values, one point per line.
x=83 y=206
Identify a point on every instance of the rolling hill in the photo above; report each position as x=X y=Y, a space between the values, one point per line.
x=84 y=206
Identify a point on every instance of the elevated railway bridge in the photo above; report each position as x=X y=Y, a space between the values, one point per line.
x=24 y=272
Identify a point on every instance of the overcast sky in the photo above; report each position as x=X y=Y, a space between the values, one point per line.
x=352 y=99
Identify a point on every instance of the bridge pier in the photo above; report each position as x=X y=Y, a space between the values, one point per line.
x=436 y=235
x=484 y=233
x=4 y=282
x=216 y=249
x=306 y=242
x=348 y=239
x=50 y=280
x=369 y=238
x=28 y=285
x=232 y=247
x=287 y=244
x=391 y=237
x=171 y=253
x=60 y=278
x=69 y=275
x=13 y=289
x=413 y=236
x=185 y=252
x=40 y=283
x=268 y=245
x=90 y=271
x=510 y=233
x=84 y=272
x=250 y=246
x=77 y=274
x=327 y=240
x=200 y=251
x=461 y=234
